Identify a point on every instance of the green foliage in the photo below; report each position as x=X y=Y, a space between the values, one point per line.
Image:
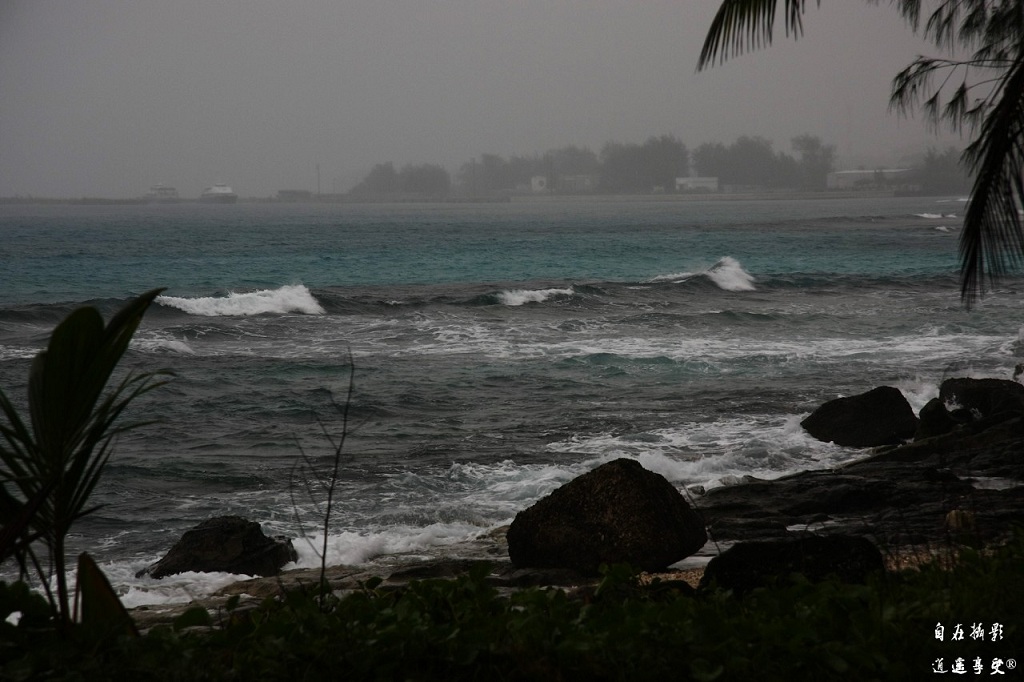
x=466 y=629
x=53 y=463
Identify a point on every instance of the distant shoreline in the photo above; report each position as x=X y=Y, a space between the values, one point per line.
x=513 y=198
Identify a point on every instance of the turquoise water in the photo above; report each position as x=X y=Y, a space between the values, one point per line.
x=499 y=350
x=70 y=253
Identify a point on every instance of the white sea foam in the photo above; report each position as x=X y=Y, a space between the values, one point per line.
x=161 y=343
x=353 y=549
x=929 y=349
x=294 y=298
x=918 y=391
x=175 y=589
x=345 y=548
x=727 y=274
x=17 y=353
x=715 y=453
x=515 y=297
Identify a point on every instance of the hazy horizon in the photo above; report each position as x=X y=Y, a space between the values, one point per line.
x=108 y=97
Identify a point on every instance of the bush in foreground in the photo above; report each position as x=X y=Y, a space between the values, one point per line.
x=465 y=629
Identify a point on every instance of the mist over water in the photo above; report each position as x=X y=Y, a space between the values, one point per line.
x=499 y=351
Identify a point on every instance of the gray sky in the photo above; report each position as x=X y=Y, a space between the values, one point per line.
x=107 y=97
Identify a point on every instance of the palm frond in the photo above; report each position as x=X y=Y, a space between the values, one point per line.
x=992 y=240
x=744 y=25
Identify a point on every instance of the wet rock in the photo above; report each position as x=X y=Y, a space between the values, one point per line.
x=746 y=566
x=936 y=420
x=617 y=513
x=984 y=399
x=898 y=496
x=882 y=416
x=230 y=544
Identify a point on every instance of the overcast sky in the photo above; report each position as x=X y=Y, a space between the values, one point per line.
x=107 y=97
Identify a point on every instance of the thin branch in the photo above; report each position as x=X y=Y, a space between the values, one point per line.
x=333 y=480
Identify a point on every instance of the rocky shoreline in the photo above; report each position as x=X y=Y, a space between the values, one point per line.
x=910 y=500
x=929 y=492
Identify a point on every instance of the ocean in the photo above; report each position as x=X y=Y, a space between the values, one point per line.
x=498 y=351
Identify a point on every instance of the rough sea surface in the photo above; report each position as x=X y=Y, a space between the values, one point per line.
x=499 y=350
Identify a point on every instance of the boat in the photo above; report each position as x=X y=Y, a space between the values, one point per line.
x=162 y=194
x=218 y=194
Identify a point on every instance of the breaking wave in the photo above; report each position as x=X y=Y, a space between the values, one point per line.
x=522 y=296
x=294 y=298
x=727 y=274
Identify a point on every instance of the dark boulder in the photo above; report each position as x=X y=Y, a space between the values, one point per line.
x=882 y=416
x=936 y=420
x=984 y=399
x=229 y=544
x=748 y=565
x=617 y=513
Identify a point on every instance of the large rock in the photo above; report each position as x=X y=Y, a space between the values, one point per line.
x=749 y=565
x=973 y=404
x=882 y=416
x=617 y=513
x=936 y=420
x=987 y=399
x=229 y=544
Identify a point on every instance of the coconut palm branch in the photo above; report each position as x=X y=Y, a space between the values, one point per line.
x=987 y=98
x=992 y=241
x=743 y=25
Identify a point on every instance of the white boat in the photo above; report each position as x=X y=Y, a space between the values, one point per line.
x=162 y=194
x=218 y=194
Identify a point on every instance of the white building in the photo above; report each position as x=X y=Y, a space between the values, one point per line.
x=696 y=183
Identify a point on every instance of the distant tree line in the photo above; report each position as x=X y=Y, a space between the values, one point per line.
x=423 y=180
x=749 y=163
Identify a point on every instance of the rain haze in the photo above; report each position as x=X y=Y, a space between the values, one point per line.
x=105 y=98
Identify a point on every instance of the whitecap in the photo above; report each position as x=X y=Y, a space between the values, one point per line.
x=294 y=298
x=515 y=297
x=727 y=273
